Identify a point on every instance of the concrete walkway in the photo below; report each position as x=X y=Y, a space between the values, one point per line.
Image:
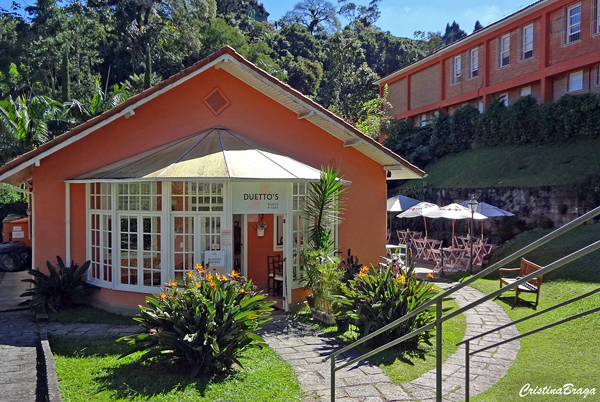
x=304 y=347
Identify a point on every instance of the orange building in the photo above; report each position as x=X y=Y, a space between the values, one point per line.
x=547 y=49
x=184 y=173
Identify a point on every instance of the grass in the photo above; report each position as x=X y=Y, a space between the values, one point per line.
x=504 y=166
x=92 y=371
x=563 y=354
x=400 y=364
x=89 y=315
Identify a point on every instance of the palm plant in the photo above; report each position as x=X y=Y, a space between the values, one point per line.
x=26 y=123
x=323 y=208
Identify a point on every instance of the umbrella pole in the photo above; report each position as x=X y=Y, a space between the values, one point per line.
x=425 y=221
x=482 y=231
x=452 y=233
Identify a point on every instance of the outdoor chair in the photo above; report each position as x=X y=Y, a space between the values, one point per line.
x=533 y=286
x=275 y=271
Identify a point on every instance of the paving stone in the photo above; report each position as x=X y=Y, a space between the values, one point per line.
x=362 y=390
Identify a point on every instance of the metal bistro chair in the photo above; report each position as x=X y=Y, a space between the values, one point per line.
x=275 y=270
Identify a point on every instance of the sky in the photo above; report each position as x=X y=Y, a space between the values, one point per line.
x=404 y=17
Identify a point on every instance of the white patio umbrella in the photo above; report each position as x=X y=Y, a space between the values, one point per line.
x=400 y=203
x=454 y=211
x=489 y=210
x=421 y=209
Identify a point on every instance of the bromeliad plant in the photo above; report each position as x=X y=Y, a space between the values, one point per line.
x=61 y=288
x=380 y=295
x=204 y=323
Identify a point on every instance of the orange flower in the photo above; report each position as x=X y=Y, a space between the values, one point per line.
x=401 y=279
x=163 y=296
x=362 y=274
x=218 y=275
x=200 y=268
x=172 y=283
x=365 y=268
x=198 y=284
x=223 y=278
x=431 y=288
x=235 y=275
x=212 y=284
x=209 y=277
x=243 y=291
x=430 y=275
x=190 y=274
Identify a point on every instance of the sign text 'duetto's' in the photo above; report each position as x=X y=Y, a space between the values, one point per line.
x=260 y=197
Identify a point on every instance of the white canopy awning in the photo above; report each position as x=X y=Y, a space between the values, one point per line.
x=216 y=153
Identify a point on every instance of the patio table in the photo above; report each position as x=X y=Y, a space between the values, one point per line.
x=403 y=237
x=480 y=250
x=420 y=248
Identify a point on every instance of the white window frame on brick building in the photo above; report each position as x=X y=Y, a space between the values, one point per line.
x=527 y=42
x=597 y=75
x=474 y=62
x=457 y=69
x=573 y=24
x=423 y=119
x=504 y=98
x=575 y=81
x=595 y=17
x=505 y=50
x=526 y=91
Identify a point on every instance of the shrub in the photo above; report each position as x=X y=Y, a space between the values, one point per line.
x=61 y=288
x=322 y=274
x=205 y=324
x=379 y=296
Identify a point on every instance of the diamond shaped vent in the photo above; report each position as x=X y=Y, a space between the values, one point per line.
x=216 y=101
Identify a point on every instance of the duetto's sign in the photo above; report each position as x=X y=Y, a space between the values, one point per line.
x=257 y=197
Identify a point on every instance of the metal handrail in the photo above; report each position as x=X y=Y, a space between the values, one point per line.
x=438 y=301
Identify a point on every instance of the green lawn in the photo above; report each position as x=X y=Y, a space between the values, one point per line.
x=91 y=371
x=527 y=165
x=565 y=354
x=400 y=364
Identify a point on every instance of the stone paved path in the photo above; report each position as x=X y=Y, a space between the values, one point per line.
x=304 y=348
x=18 y=354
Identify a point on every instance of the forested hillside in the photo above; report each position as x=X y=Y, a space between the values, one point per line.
x=63 y=62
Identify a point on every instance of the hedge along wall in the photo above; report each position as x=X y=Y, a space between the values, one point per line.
x=524 y=122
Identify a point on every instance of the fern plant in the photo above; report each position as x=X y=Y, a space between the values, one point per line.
x=62 y=287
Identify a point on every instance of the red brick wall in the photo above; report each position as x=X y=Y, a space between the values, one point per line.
x=516 y=67
x=466 y=83
x=588 y=43
x=425 y=87
x=397 y=96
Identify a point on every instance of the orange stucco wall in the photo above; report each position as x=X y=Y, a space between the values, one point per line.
x=180 y=112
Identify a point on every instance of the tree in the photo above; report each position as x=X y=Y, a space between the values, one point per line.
x=478 y=26
x=453 y=33
x=366 y=15
x=313 y=14
x=429 y=42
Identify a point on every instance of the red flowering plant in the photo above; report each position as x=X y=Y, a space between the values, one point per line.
x=203 y=323
x=378 y=296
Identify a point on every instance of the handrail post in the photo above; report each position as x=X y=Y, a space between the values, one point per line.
x=333 y=379
x=467 y=371
x=438 y=351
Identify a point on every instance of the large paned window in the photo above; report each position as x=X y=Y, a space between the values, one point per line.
x=474 y=62
x=527 y=42
x=573 y=23
x=197 y=216
x=595 y=17
x=100 y=232
x=144 y=196
x=505 y=50
x=193 y=196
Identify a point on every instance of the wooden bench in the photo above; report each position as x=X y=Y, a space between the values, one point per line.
x=533 y=286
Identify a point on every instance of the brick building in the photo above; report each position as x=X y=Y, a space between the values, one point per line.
x=548 y=49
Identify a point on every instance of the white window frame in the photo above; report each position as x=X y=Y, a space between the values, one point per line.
x=474 y=62
x=457 y=68
x=597 y=78
x=480 y=105
x=573 y=30
x=278 y=228
x=570 y=82
x=527 y=44
x=423 y=120
x=595 y=17
x=526 y=91
x=504 y=52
